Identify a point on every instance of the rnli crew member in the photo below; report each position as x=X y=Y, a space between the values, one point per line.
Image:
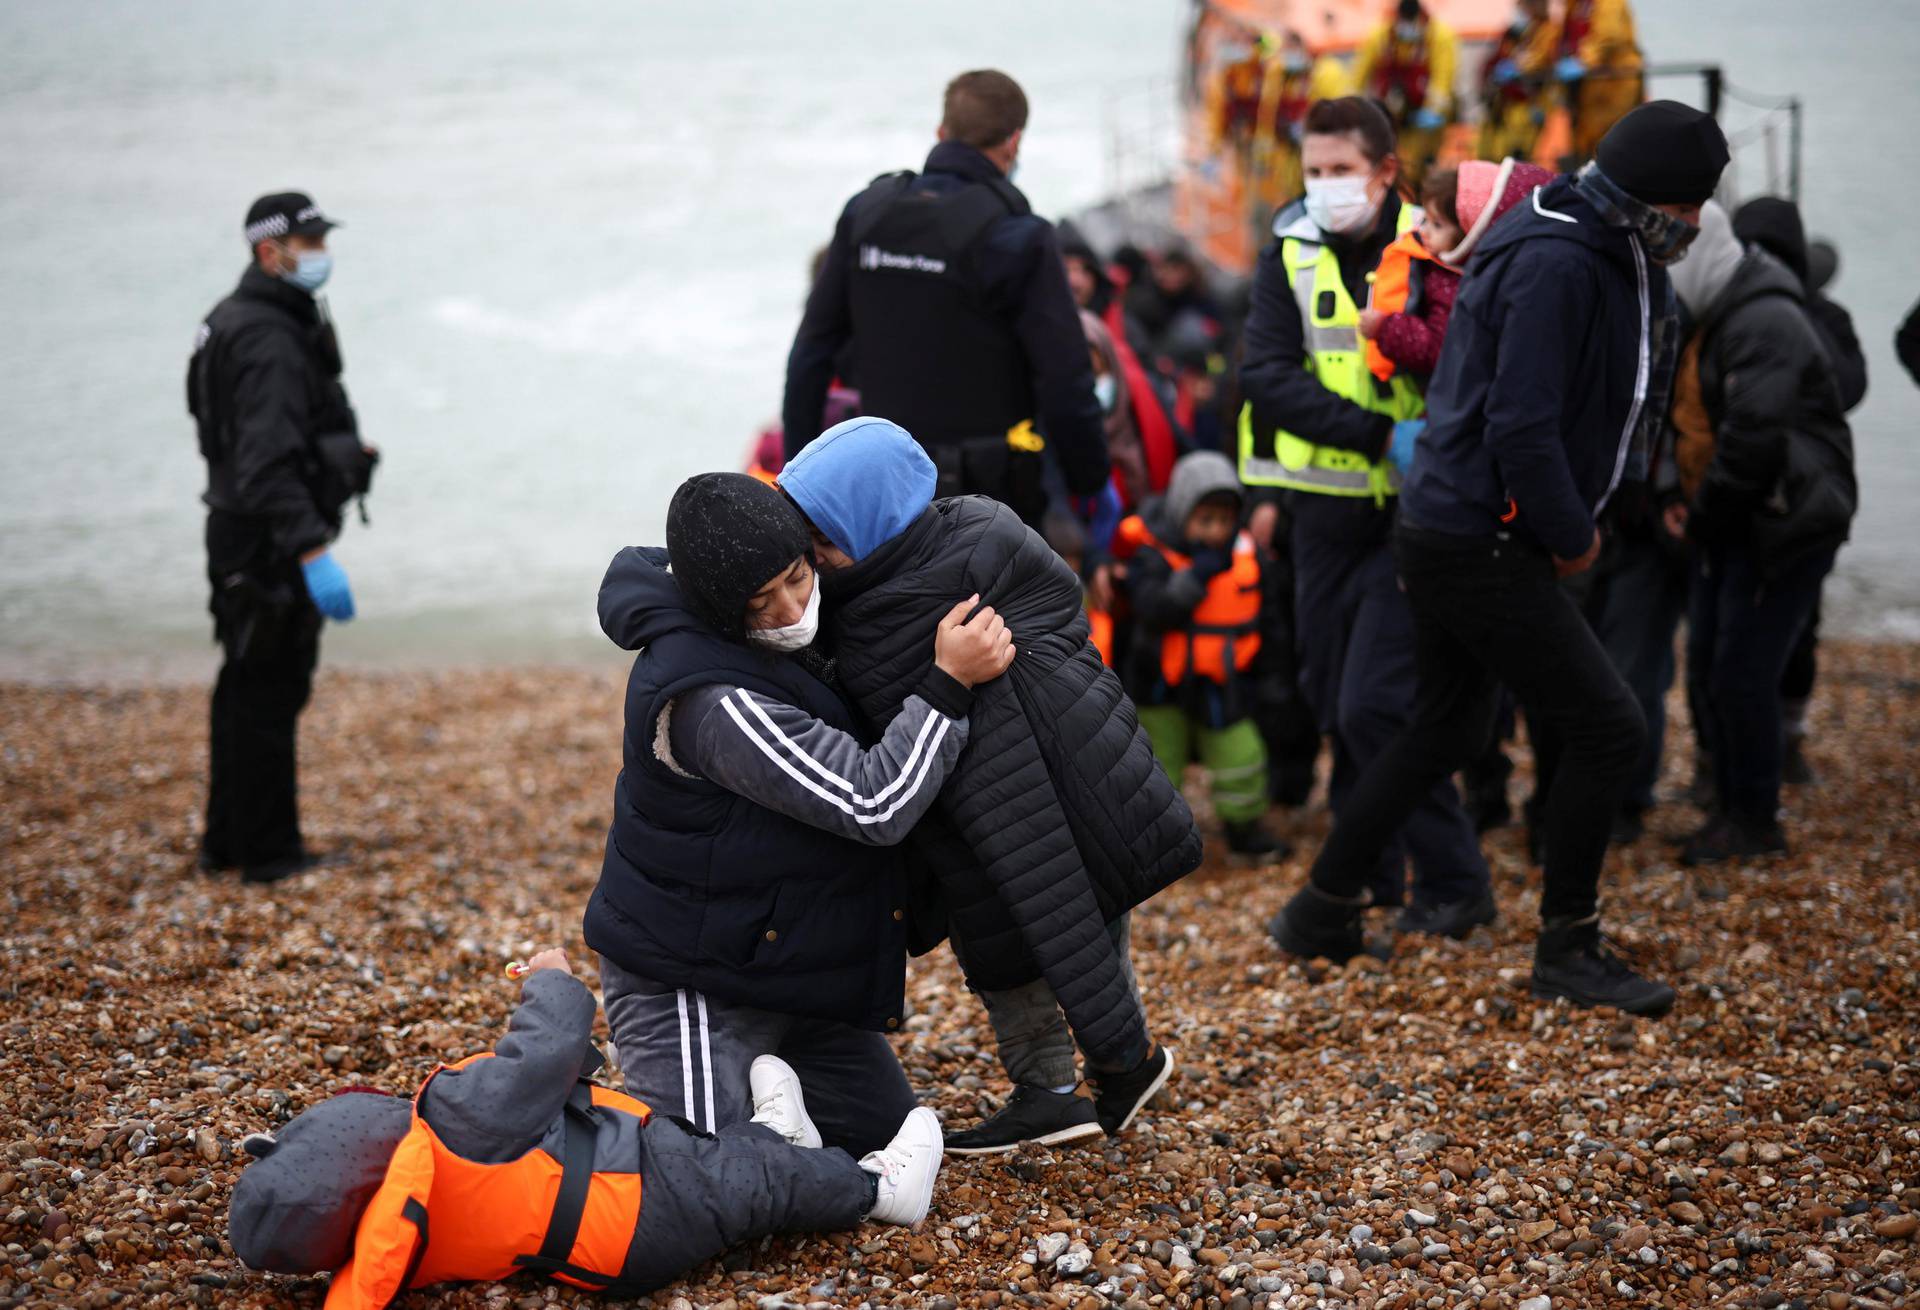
x=1548 y=394
x=1514 y=83
x=514 y=1160
x=1194 y=580
x=963 y=331
x=1408 y=66
x=284 y=457
x=1319 y=427
x=1600 y=68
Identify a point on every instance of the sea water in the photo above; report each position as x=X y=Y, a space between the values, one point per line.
x=575 y=252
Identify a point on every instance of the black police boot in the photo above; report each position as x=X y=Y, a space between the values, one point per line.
x=1251 y=839
x=1453 y=919
x=1628 y=827
x=1316 y=923
x=1795 y=771
x=1031 y=1114
x=1725 y=837
x=1570 y=961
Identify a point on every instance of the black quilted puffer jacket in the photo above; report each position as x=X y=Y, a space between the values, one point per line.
x=1056 y=819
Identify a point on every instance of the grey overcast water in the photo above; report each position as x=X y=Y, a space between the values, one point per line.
x=574 y=257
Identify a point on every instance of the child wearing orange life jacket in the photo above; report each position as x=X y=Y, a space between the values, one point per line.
x=1414 y=287
x=513 y=1160
x=1194 y=582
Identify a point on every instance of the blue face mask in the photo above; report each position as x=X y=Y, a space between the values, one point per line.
x=1106 y=391
x=312 y=271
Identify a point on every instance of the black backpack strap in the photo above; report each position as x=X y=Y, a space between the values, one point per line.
x=576 y=1176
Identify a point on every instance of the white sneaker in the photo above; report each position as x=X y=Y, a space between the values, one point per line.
x=777 y=1102
x=906 y=1168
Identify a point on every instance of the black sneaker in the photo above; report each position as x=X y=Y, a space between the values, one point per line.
x=209 y=863
x=1570 y=961
x=1118 y=1097
x=1453 y=919
x=1315 y=923
x=1251 y=839
x=1031 y=1114
x=1726 y=838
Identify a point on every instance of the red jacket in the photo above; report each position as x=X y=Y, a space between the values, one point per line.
x=1411 y=341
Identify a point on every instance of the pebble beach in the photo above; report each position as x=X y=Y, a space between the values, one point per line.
x=1417 y=1132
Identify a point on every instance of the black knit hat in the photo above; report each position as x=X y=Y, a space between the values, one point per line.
x=728 y=535
x=1665 y=153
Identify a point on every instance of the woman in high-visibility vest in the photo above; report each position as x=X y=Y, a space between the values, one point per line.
x=1319 y=427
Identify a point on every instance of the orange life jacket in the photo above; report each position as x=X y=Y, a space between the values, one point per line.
x=762 y=472
x=1100 y=625
x=439 y=1217
x=1224 y=632
x=1395 y=290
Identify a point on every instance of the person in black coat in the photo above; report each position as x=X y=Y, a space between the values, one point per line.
x=1774 y=225
x=1057 y=821
x=284 y=456
x=1548 y=394
x=1774 y=505
x=752 y=898
x=951 y=293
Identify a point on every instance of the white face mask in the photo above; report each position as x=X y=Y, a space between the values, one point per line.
x=1340 y=205
x=795 y=636
x=1106 y=391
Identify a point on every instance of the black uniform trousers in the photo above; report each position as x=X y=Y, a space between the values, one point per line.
x=269 y=632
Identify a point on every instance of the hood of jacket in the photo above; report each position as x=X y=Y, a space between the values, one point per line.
x=640 y=602
x=1773 y=223
x=1700 y=278
x=1195 y=477
x=296 y=1206
x=861 y=483
x=1557 y=211
x=1754 y=275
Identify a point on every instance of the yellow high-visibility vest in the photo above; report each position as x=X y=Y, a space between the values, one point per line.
x=1337 y=359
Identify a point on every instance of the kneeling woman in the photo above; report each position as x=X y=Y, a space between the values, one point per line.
x=749 y=902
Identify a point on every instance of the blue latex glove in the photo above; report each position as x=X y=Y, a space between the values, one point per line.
x=1569 y=68
x=1101 y=513
x=1400 y=450
x=1505 y=71
x=327 y=584
x=1426 y=120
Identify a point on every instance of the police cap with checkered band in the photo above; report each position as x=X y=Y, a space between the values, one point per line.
x=286 y=213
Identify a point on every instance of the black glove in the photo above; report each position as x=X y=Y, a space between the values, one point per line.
x=1207 y=564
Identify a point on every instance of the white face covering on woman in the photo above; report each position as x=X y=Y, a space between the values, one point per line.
x=1341 y=206
x=795 y=636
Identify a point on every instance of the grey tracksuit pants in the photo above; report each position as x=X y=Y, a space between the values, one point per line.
x=687 y=1054
x=1036 y=1046
x=702 y=1195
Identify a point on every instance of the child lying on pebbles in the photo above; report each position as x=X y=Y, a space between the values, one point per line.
x=513 y=1160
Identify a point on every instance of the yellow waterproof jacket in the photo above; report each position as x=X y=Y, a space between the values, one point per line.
x=1601 y=34
x=1439 y=62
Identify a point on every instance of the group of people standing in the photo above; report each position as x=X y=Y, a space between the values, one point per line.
x=936 y=676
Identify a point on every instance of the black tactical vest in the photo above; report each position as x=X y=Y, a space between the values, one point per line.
x=929 y=352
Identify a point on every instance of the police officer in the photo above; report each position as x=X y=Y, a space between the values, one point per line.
x=1320 y=427
x=284 y=457
x=952 y=295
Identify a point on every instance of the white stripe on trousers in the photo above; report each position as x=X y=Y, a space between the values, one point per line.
x=708 y=1124
x=686 y=1059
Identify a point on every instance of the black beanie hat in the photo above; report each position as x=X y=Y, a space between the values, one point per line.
x=728 y=535
x=1665 y=153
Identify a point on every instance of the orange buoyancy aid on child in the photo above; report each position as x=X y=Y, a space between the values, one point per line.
x=1396 y=290
x=1223 y=637
x=439 y=1217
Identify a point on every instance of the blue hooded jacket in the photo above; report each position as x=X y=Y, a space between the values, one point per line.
x=861 y=483
x=1541 y=387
